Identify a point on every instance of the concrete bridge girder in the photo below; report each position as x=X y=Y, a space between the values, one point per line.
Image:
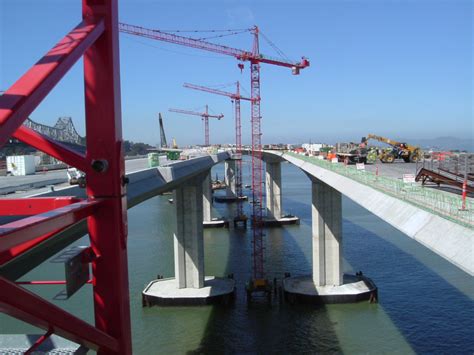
x=446 y=238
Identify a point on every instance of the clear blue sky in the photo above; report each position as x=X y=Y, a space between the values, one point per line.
x=395 y=68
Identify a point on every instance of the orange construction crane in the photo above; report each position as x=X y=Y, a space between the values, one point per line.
x=205 y=117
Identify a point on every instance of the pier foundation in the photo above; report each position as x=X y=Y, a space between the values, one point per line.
x=189 y=286
x=328 y=284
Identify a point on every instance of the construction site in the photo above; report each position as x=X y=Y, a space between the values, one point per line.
x=182 y=217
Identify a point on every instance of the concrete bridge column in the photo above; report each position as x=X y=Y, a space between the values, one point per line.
x=327 y=234
x=207 y=198
x=188 y=239
x=230 y=178
x=273 y=189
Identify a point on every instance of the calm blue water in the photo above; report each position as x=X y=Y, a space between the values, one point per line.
x=425 y=303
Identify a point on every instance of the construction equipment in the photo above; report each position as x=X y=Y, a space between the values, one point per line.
x=255 y=58
x=205 y=117
x=352 y=152
x=76 y=177
x=240 y=218
x=163 y=143
x=407 y=152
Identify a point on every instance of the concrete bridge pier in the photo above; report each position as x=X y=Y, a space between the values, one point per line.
x=208 y=221
x=328 y=284
x=273 y=195
x=229 y=168
x=230 y=182
x=189 y=286
x=327 y=234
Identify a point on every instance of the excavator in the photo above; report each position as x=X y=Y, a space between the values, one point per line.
x=407 y=152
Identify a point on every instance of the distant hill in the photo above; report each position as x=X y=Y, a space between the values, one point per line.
x=443 y=143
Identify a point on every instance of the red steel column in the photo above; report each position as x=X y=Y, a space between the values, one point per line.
x=108 y=227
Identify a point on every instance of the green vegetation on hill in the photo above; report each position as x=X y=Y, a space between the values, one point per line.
x=131 y=149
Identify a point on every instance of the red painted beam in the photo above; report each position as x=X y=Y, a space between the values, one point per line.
x=107 y=227
x=28 y=307
x=17 y=103
x=20 y=249
x=34 y=205
x=51 y=147
x=15 y=234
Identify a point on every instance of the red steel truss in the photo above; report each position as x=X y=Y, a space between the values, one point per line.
x=205 y=117
x=96 y=39
x=236 y=97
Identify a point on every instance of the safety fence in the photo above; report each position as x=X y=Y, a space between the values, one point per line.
x=444 y=204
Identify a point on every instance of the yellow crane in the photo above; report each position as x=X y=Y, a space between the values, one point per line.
x=409 y=153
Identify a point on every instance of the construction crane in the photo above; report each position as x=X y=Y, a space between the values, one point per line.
x=163 y=143
x=205 y=117
x=235 y=97
x=407 y=152
x=258 y=283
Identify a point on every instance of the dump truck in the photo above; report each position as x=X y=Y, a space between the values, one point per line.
x=398 y=150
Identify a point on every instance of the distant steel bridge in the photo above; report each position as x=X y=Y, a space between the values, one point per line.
x=63 y=130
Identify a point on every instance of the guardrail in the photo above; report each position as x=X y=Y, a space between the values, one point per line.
x=444 y=204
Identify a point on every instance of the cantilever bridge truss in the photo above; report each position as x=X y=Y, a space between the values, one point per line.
x=62 y=131
x=96 y=40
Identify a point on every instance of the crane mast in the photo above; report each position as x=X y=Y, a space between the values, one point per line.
x=235 y=97
x=204 y=116
x=238 y=148
x=163 y=142
x=255 y=58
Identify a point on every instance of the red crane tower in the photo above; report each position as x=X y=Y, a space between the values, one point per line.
x=205 y=117
x=235 y=97
x=255 y=58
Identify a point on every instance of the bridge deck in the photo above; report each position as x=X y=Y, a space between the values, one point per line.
x=430 y=217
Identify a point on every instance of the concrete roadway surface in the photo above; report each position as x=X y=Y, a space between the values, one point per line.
x=22 y=186
x=42 y=182
x=393 y=170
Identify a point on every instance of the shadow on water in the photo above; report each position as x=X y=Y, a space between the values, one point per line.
x=260 y=328
x=430 y=313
